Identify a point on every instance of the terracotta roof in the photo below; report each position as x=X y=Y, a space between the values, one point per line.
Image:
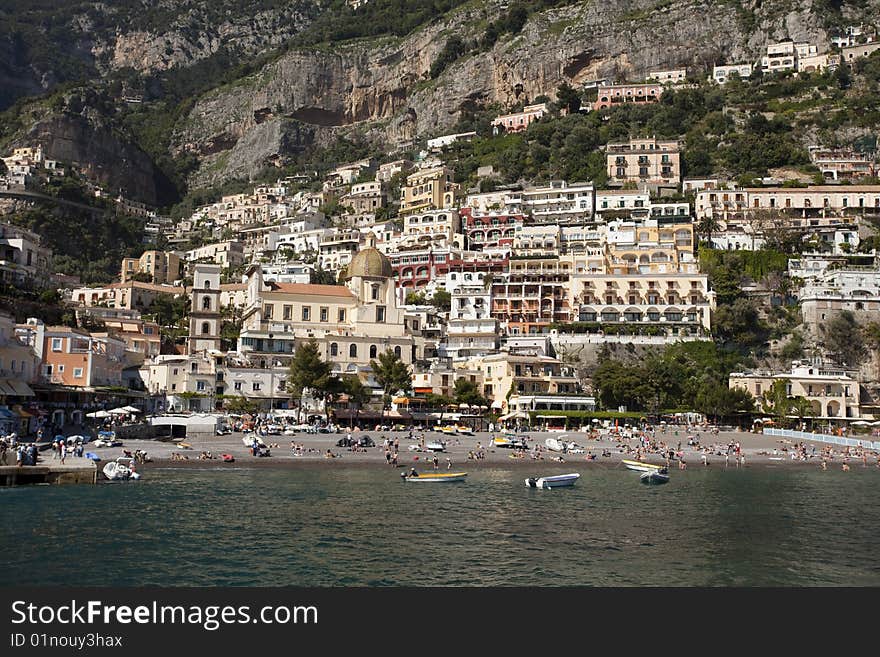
x=312 y=290
x=233 y=286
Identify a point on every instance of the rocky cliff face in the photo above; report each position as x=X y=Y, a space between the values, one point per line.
x=382 y=87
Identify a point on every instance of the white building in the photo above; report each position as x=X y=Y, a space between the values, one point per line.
x=721 y=74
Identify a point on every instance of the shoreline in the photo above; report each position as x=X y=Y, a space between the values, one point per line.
x=758 y=450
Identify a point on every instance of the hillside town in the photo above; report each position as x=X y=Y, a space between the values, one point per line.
x=496 y=299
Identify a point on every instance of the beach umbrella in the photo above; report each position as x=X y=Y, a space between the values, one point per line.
x=131 y=409
x=98 y=414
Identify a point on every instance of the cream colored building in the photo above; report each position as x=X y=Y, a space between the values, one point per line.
x=833 y=394
x=162 y=266
x=351 y=323
x=427 y=189
x=228 y=255
x=521 y=374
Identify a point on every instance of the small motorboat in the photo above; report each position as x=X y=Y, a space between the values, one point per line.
x=555 y=445
x=122 y=469
x=435 y=446
x=655 y=477
x=227 y=458
x=639 y=466
x=464 y=431
x=448 y=430
x=441 y=477
x=556 y=481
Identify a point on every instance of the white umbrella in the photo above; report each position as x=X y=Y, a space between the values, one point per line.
x=122 y=410
x=98 y=414
x=131 y=409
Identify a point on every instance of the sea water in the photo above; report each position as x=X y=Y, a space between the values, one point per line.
x=338 y=526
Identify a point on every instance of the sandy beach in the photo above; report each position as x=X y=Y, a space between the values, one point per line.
x=757 y=449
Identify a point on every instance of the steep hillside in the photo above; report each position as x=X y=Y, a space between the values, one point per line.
x=382 y=87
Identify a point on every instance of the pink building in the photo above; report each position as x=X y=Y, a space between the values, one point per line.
x=519 y=121
x=613 y=95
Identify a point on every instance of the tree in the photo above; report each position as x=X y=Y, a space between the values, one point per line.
x=467 y=392
x=442 y=300
x=568 y=98
x=775 y=400
x=307 y=371
x=358 y=394
x=392 y=374
x=843 y=339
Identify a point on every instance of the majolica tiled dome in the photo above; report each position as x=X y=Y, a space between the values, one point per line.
x=370 y=263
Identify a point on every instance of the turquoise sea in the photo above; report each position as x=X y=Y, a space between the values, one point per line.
x=329 y=526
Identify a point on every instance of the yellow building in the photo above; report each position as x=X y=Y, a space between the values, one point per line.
x=161 y=266
x=427 y=189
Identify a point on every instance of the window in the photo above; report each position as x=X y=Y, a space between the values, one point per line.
x=380 y=314
x=56 y=344
x=397 y=351
x=267 y=311
x=325 y=313
x=373 y=351
x=375 y=292
x=206 y=328
x=307 y=313
x=352 y=351
x=206 y=303
x=255 y=386
x=61 y=368
x=200 y=386
x=207 y=285
x=287 y=312
x=77 y=372
x=237 y=385
x=341 y=315
x=334 y=349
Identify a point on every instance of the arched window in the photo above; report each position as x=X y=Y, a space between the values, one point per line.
x=352 y=351
x=397 y=351
x=207 y=285
x=206 y=303
x=373 y=351
x=334 y=349
x=206 y=328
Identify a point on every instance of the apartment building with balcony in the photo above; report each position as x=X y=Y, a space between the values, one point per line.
x=363 y=198
x=414 y=269
x=784 y=56
x=76 y=358
x=19 y=363
x=519 y=121
x=489 y=229
x=613 y=95
x=557 y=202
x=721 y=74
x=433 y=224
x=427 y=189
x=532 y=295
x=850 y=288
x=228 y=254
x=832 y=392
x=163 y=267
x=337 y=249
x=24 y=261
x=679 y=303
x=842 y=164
x=650 y=161
x=523 y=374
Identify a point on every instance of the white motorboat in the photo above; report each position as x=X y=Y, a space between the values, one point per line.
x=435 y=446
x=555 y=445
x=464 y=431
x=639 y=466
x=121 y=470
x=556 y=481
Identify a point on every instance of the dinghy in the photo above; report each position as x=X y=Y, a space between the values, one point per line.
x=556 y=481
x=639 y=466
x=121 y=470
x=655 y=477
x=425 y=477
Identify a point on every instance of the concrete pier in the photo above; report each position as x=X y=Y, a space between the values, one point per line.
x=73 y=471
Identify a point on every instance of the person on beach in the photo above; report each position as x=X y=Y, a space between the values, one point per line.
x=394 y=460
x=448 y=463
x=3 y=448
x=435 y=462
x=62 y=449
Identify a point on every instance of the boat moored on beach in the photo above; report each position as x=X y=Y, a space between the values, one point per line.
x=121 y=469
x=439 y=477
x=639 y=466
x=556 y=481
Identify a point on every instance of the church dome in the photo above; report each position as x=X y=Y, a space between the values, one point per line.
x=369 y=263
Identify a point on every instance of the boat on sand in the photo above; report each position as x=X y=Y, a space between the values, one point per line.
x=556 y=481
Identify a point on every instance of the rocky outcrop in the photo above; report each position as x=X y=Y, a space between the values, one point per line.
x=381 y=87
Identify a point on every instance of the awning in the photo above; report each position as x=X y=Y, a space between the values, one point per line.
x=6 y=387
x=22 y=389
